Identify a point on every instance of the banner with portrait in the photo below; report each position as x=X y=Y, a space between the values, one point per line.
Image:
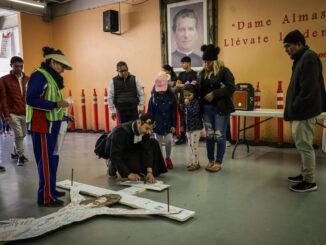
x=187 y=31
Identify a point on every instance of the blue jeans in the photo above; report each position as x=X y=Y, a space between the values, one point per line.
x=4 y=127
x=215 y=126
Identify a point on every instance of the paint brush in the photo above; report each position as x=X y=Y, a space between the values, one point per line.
x=168 y=199
x=144 y=176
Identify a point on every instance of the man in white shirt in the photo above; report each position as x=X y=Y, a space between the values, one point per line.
x=13 y=102
x=126 y=95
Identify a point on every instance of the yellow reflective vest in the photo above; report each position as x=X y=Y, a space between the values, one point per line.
x=53 y=93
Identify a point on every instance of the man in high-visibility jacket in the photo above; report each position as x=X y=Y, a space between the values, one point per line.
x=44 y=114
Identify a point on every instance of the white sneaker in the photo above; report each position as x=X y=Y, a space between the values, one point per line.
x=228 y=143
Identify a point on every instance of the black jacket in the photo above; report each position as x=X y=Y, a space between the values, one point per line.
x=306 y=97
x=122 y=145
x=222 y=85
x=193 y=116
x=125 y=93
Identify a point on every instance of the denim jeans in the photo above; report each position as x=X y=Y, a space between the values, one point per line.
x=215 y=126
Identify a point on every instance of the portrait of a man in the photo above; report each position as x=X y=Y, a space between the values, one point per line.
x=187 y=32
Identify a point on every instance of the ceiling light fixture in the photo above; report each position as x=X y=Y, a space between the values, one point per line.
x=26 y=2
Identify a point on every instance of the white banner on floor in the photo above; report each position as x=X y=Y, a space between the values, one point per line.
x=78 y=210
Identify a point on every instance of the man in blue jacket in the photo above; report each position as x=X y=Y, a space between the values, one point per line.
x=305 y=100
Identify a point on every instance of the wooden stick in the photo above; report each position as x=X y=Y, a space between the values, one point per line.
x=72 y=177
x=168 y=200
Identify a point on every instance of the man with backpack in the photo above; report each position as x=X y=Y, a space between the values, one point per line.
x=131 y=151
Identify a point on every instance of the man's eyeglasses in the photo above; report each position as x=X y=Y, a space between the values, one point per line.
x=122 y=71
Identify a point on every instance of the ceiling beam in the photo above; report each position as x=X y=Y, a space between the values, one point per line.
x=80 y=5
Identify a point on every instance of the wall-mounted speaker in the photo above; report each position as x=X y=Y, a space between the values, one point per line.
x=110 y=21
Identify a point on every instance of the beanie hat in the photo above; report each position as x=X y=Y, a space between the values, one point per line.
x=210 y=52
x=294 y=37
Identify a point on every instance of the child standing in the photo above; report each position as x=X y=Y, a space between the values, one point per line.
x=193 y=122
x=5 y=128
x=187 y=75
x=162 y=105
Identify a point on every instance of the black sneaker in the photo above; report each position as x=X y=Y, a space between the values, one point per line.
x=181 y=141
x=304 y=187
x=25 y=159
x=2 y=169
x=60 y=193
x=56 y=203
x=296 y=179
x=14 y=156
x=20 y=161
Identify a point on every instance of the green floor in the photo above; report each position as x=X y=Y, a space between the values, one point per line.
x=248 y=202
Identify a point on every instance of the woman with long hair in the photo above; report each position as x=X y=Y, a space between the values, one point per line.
x=216 y=83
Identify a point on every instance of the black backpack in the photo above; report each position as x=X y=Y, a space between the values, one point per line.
x=103 y=146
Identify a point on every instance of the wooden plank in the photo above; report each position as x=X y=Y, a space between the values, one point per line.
x=158 y=186
x=129 y=200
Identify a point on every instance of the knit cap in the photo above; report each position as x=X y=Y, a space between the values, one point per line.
x=210 y=52
x=294 y=37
